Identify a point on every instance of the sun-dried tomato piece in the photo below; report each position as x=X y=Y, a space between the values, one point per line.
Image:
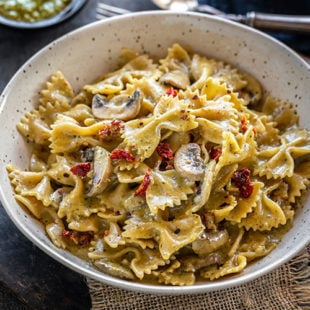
x=241 y=178
x=78 y=238
x=141 y=190
x=244 y=124
x=215 y=153
x=111 y=131
x=66 y=233
x=122 y=154
x=70 y=235
x=246 y=190
x=172 y=92
x=164 y=151
x=81 y=169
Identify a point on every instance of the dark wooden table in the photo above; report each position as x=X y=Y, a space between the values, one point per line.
x=29 y=279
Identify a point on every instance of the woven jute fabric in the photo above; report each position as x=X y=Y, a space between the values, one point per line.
x=285 y=288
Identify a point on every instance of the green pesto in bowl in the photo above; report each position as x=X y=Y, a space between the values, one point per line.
x=31 y=10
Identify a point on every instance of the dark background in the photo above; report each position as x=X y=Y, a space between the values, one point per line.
x=29 y=279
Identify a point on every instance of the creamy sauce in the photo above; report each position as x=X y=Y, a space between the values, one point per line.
x=31 y=10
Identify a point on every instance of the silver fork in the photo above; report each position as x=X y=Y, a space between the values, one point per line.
x=105 y=10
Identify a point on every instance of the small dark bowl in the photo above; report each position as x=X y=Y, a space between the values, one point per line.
x=67 y=12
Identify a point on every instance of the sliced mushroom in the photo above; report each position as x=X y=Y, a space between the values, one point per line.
x=188 y=162
x=102 y=169
x=121 y=107
x=176 y=78
x=210 y=242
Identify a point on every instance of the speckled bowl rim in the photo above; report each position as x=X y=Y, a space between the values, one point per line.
x=67 y=12
x=80 y=266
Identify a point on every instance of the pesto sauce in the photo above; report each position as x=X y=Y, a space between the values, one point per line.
x=31 y=10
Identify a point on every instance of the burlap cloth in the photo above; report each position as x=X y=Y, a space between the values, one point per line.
x=285 y=288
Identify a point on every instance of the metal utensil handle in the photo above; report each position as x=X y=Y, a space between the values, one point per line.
x=264 y=21
x=278 y=22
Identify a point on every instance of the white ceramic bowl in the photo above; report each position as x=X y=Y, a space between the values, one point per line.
x=87 y=52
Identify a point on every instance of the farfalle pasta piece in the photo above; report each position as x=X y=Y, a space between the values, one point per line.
x=266 y=215
x=142 y=262
x=245 y=206
x=174 y=275
x=173 y=235
x=237 y=149
x=108 y=86
x=59 y=171
x=146 y=261
x=268 y=134
x=178 y=233
x=212 y=89
x=167 y=189
x=57 y=89
x=278 y=162
x=212 y=131
x=81 y=113
x=114 y=198
x=34 y=129
x=42 y=191
x=231 y=77
x=133 y=175
x=67 y=135
x=151 y=91
x=256 y=244
x=73 y=204
x=32 y=204
x=177 y=59
x=142 y=243
x=220 y=204
x=142 y=66
x=23 y=181
x=201 y=68
x=48 y=112
x=233 y=265
x=145 y=134
x=219 y=109
x=283 y=113
x=296 y=185
x=85 y=224
x=112 y=83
